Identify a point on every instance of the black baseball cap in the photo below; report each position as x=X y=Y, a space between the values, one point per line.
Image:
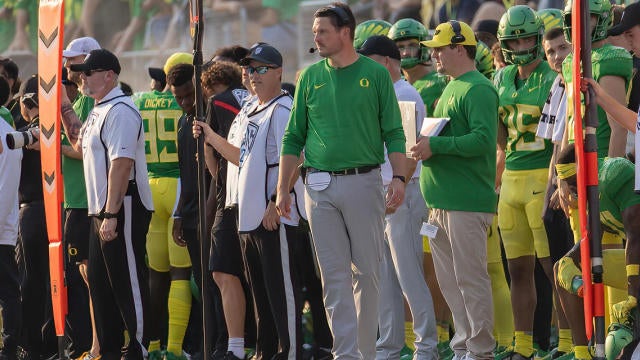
x=380 y=45
x=100 y=59
x=630 y=18
x=263 y=53
x=157 y=74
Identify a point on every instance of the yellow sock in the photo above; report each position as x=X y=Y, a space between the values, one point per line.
x=179 y=310
x=524 y=343
x=154 y=345
x=443 y=332
x=565 y=343
x=409 y=335
x=502 y=320
x=582 y=353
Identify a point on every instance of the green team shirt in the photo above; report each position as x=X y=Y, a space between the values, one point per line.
x=6 y=115
x=75 y=191
x=430 y=87
x=160 y=114
x=616 y=184
x=342 y=117
x=461 y=174
x=521 y=104
x=607 y=60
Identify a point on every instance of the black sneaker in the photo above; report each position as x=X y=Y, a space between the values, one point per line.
x=231 y=356
x=5 y=354
x=323 y=354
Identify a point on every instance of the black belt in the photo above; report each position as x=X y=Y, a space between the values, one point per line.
x=350 y=171
x=31 y=203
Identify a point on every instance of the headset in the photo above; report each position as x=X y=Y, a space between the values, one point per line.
x=342 y=15
x=457 y=31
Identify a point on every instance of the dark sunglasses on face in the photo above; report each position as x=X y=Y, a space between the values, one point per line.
x=88 y=73
x=259 y=69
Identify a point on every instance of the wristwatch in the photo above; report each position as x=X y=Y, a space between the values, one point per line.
x=401 y=178
x=273 y=198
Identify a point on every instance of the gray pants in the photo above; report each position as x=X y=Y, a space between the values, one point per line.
x=346 y=221
x=459 y=252
x=401 y=272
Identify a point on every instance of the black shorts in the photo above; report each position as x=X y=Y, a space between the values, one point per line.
x=76 y=234
x=225 y=255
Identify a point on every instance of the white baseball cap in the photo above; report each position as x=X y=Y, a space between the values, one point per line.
x=80 y=46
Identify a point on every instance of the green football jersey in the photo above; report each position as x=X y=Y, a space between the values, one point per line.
x=5 y=114
x=521 y=103
x=616 y=184
x=75 y=192
x=430 y=88
x=607 y=60
x=160 y=114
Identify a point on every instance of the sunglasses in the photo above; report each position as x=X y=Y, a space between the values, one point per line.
x=259 y=69
x=88 y=73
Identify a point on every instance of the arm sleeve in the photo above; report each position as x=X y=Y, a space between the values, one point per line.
x=120 y=132
x=480 y=107
x=390 y=120
x=295 y=134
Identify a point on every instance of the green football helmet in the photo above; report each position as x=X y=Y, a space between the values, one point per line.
x=405 y=29
x=369 y=28
x=601 y=9
x=484 y=60
x=520 y=22
x=618 y=336
x=551 y=18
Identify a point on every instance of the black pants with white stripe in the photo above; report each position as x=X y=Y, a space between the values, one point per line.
x=119 y=281
x=276 y=291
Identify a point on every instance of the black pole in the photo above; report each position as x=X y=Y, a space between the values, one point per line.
x=593 y=202
x=197 y=29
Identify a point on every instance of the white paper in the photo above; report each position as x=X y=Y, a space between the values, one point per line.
x=409 y=113
x=428 y=230
x=433 y=126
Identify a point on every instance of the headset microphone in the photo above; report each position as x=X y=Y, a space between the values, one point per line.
x=312 y=50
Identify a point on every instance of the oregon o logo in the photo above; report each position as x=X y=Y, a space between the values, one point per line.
x=73 y=251
x=364 y=82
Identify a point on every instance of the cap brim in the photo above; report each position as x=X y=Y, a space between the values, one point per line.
x=247 y=60
x=619 y=29
x=434 y=43
x=71 y=53
x=79 y=67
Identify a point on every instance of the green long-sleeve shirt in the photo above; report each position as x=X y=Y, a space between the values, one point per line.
x=342 y=117
x=461 y=173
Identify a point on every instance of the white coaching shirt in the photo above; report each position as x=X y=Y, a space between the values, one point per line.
x=10 y=163
x=113 y=130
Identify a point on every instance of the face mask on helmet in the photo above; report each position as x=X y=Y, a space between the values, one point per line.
x=520 y=22
x=369 y=28
x=600 y=11
x=408 y=29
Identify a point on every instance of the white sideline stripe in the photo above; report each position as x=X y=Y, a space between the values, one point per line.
x=288 y=293
x=133 y=270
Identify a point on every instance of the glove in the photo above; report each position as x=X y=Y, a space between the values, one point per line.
x=622 y=310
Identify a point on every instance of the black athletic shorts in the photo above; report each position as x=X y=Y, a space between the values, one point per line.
x=76 y=234
x=225 y=255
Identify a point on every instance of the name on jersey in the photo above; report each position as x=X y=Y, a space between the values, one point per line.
x=157 y=103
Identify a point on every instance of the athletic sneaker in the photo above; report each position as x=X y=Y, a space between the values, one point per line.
x=171 y=356
x=444 y=351
x=231 y=356
x=322 y=354
x=517 y=356
x=565 y=356
x=87 y=356
x=156 y=355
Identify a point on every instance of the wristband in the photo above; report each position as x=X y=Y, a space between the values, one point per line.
x=273 y=198
x=400 y=177
x=633 y=270
x=108 y=215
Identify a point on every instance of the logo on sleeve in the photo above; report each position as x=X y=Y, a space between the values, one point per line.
x=318 y=86
x=364 y=82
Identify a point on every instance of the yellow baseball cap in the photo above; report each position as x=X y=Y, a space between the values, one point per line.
x=452 y=32
x=177 y=58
